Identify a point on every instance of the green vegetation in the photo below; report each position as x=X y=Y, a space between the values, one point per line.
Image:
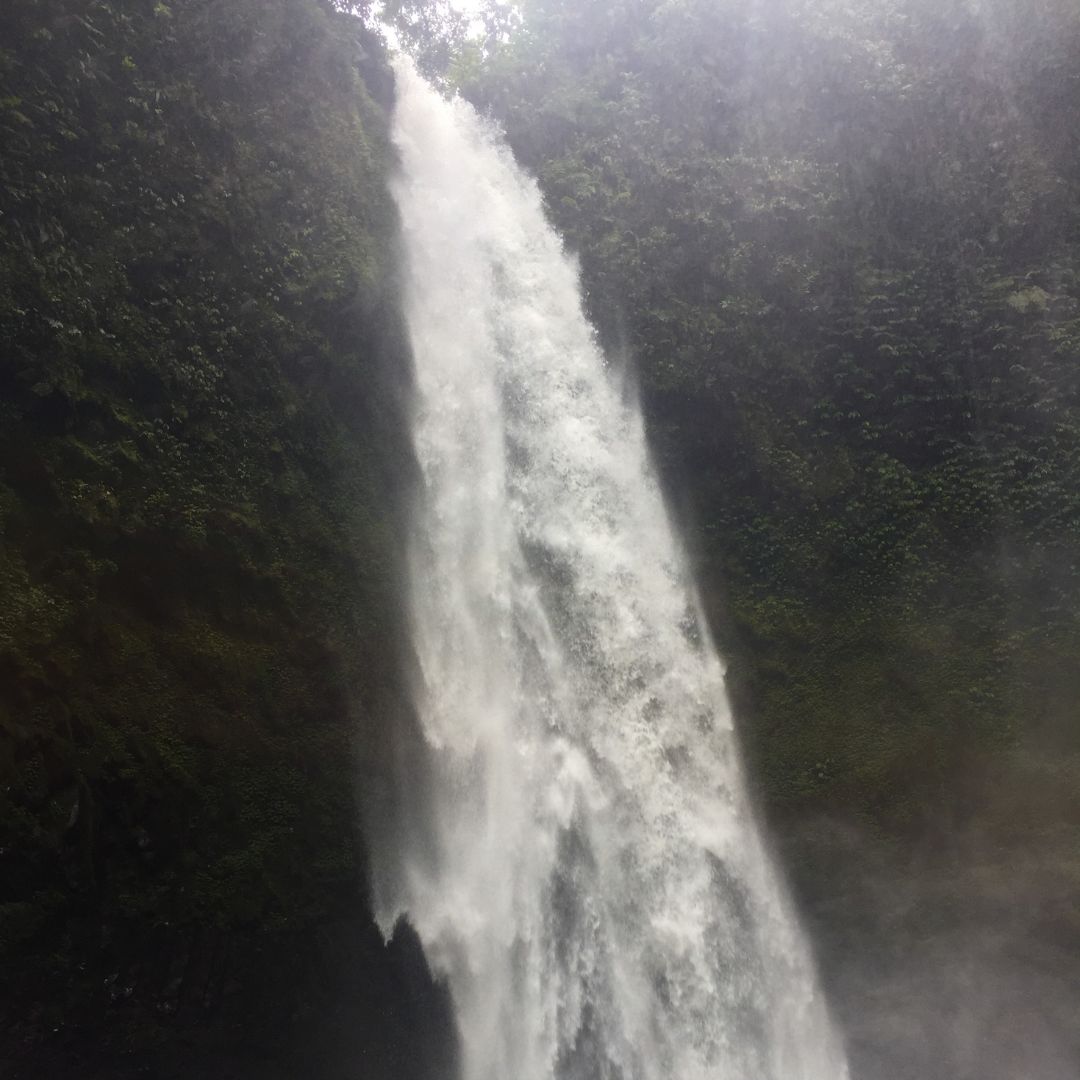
x=841 y=244
x=199 y=355
x=839 y=241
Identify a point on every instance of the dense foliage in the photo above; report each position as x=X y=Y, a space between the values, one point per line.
x=199 y=357
x=840 y=243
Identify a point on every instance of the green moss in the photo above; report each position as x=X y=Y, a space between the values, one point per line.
x=198 y=353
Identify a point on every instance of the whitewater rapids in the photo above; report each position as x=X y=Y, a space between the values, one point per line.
x=581 y=861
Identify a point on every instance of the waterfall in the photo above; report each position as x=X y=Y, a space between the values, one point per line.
x=579 y=856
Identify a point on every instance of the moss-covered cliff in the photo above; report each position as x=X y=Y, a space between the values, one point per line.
x=840 y=244
x=200 y=359
x=839 y=241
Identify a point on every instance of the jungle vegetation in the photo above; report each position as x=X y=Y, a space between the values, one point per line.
x=837 y=243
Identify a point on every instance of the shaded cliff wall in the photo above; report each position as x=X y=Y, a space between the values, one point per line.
x=201 y=365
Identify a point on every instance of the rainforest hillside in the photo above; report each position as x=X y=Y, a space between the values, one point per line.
x=199 y=371
x=838 y=244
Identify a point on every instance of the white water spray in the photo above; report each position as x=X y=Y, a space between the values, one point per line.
x=588 y=876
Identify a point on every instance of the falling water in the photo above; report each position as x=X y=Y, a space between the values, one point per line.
x=587 y=876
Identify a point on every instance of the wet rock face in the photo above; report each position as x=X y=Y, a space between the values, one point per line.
x=197 y=577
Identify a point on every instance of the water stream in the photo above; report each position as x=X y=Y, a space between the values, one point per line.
x=586 y=873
